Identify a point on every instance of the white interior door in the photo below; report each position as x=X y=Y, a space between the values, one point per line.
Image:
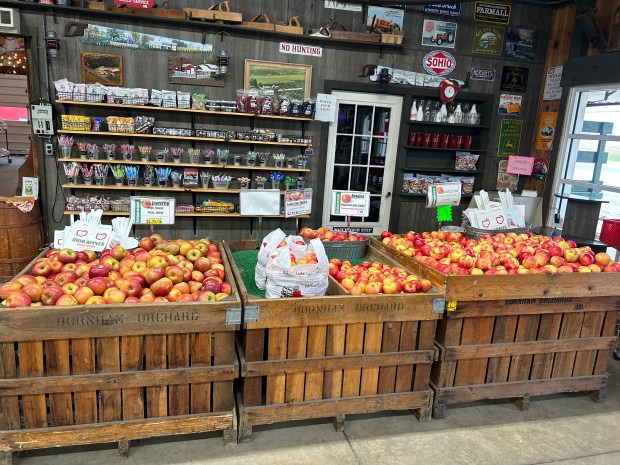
x=361 y=156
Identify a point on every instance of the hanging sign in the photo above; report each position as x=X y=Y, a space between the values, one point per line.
x=439 y=63
x=546 y=130
x=553 y=91
x=510 y=105
x=510 y=137
x=342 y=6
x=482 y=74
x=488 y=12
x=297 y=202
x=88 y=236
x=152 y=210
x=520 y=165
x=296 y=49
x=350 y=203
x=446 y=9
x=488 y=40
x=447 y=193
x=514 y=78
x=325 y=108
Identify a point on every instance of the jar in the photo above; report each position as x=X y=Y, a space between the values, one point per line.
x=296 y=107
x=252 y=103
x=307 y=108
x=97 y=124
x=266 y=102
x=284 y=106
x=242 y=101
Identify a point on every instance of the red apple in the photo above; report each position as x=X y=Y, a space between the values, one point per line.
x=83 y=294
x=202 y=264
x=154 y=274
x=67 y=255
x=34 y=291
x=131 y=287
x=97 y=271
x=96 y=300
x=82 y=256
x=146 y=243
x=41 y=269
x=98 y=285
x=112 y=295
x=66 y=299
x=425 y=285
x=226 y=288
x=162 y=287
x=205 y=296
x=211 y=285
x=11 y=287
x=19 y=299
x=132 y=300
x=175 y=274
x=571 y=255
x=50 y=295
x=65 y=277
x=26 y=279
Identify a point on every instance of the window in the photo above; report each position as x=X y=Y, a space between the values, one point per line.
x=589 y=164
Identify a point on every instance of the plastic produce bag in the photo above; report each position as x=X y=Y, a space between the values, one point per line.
x=269 y=244
x=285 y=279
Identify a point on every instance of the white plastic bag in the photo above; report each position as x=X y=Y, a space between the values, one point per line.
x=268 y=245
x=305 y=280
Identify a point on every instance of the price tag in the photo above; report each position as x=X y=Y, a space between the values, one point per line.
x=350 y=203
x=451 y=305
x=152 y=210
x=297 y=202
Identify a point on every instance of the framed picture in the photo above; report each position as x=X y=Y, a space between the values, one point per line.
x=293 y=80
x=103 y=68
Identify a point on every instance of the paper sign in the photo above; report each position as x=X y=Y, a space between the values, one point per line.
x=88 y=236
x=296 y=49
x=259 y=202
x=58 y=238
x=509 y=137
x=494 y=218
x=297 y=202
x=520 y=165
x=553 y=91
x=546 y=130
x=30 y=187
x=325 y=108
x=152 y=210
x=448 y=193
x=350 y=203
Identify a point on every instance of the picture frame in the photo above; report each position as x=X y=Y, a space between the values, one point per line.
x=271 y=74
x=103 y=68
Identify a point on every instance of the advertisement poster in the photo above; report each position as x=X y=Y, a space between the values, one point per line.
x=488 y=12
x=520 y=43
x=545 y=132
x=553 y=91
x=509 y=137
x=331 y=4
x=384 y=20
x=297 y=202
x=152 y=210
x=482 y=74
x=488 y=40
x=447 y=193
x=350 y=203
x=439 y=33
x=446 y=9
x=510 y=105
x=520 y=165
x=514 y=79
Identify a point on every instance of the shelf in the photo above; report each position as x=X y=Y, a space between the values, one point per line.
x=155 y=188
x=422 y=196
x=440 y=149
x=188 y=165
x=191 y=215
x=440 y=170
x=157 y=136
x=449 y=125
x=181 y=110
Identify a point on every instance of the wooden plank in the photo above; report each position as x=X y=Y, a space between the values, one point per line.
x=253 y=349
x=9 y=406
x=448 y=333
x=426 y=341
x=131 y=360
x=548 y=329
x=108 y=360
x=602 y=358
x=390 y=341
x=223 y=354
x=354 y=344
x=113 y=432
x=83 y=362
x=332 y=386
x=408 y=341
x=564 y=362
x=178 y=357
x=585 y=359
x=475 y=331
x=504 y=331
x=372 y=344
x=527 y=330
x=57 y=364
x=276 y=350
x=30 y=366
x=297 y=342
x=317 y=336
x=155 y=348
x=200 y=348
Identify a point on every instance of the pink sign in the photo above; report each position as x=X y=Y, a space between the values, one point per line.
x=520 y=165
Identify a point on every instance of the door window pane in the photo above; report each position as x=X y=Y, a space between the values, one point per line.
x=602 y=113
x=379 y=147
x=382 y=121
x=375 y=180
x=341 y=177
x=361 y=150
x=363 y=123
x=346 y=114
x=343 y=149
x=358 y=178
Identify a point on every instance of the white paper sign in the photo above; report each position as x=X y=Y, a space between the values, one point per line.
x=58 y=238
x=448 y=193
x=553 y=91
x=30 y=187
x=325 y=108
x=297 y=202
x=297 y=49
x=350 y=203
x=88 y=236
x=259 y=202
x=152 y=210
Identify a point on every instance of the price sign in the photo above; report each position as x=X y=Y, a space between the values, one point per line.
x=297 y=202
x=447 y=193
x=88 y=236
x=152 y=210
x=350 y=203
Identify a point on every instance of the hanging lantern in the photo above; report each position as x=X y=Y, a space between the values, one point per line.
x=222 y=60
x=52 y=44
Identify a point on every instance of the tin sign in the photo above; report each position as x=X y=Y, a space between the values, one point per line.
x=496 y=13
x=482 y=74
x=135 y=3
x=446 y=9
x=439 y=63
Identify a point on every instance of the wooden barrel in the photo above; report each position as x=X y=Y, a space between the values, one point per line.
x=21 y=238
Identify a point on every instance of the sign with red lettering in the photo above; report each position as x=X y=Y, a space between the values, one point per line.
x=520 y=165
x=135 y=3
x=439 y=63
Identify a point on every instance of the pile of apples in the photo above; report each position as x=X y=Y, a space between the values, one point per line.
x=327 y=235
x=157 y=271
x=376 y=278
x=454 y=253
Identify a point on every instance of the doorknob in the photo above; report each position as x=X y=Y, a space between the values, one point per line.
x=388 y=195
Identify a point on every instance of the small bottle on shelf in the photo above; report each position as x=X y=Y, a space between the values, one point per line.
x=458 y=114
x=413 y=113
x=420 y=112
x=473 y=115
x=443 y=113
x=427 y=111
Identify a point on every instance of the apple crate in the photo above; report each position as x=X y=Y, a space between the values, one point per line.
x=516 y=336
x=329 y=356
x=74 y=375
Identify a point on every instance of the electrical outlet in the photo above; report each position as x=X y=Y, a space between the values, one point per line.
x=49 y=149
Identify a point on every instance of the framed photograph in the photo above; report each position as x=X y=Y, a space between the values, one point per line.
x=103 y=68
x=294 y=80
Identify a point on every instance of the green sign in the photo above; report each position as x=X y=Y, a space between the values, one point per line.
x=488 y=40
x=509 y=137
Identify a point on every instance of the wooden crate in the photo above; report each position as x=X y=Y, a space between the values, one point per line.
x=334 y=355
x=516 y=336
x=74 y=375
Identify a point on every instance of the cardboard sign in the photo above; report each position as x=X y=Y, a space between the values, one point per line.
x=482 y=74
x=488 y=12
x=446 y=9
x=325 y=108
x=439 y=63
x=259 y=202
x=510 y=137
x=152 y=210
x=88 y=236
x=520 y=165
x=546 y=130
x=350 y=203
x=297 y=202
x=447 y=193
x=553 y=91
x=296 y=49
x=488 y=40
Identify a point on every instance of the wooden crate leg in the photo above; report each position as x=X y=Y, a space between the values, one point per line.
x=423 y=414
x=439 y=411
x=6 y=458
x=230 y=436
x=245 y=433
x=599 y=396
x=123 y=449
x=522 y=403
x=338 y=423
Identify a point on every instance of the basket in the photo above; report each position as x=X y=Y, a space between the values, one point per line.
x=220 y=184
x=475 y=233
x=345 y=250
x=610 y=233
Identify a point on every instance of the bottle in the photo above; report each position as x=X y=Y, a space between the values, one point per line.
x=427 y=111
x=420 y=112
x=413 y=113
x=434 y=112
x=458 y=114
x=443 y=113
x=473 y=115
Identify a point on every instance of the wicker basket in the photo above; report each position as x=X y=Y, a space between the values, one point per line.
x=476 y=233
x=610 y=233
x=345 y=250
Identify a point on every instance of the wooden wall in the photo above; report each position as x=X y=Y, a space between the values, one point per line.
x=339 y=62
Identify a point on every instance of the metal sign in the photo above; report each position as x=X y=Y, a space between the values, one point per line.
x=496 y=13
x=514 y=78
x=439 y=63
x=482 y=74
x=446 y=9
x=488 y=40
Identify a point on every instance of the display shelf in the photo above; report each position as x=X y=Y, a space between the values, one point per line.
x=440 y=170
x=441 y=149
x=155 y=188
x=195 y=215
x=449 y=125
x=403 y=194
x=157 y=136
x=188 y=165
x=180 y=110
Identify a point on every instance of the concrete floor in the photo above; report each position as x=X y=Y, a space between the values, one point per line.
x=567 y=429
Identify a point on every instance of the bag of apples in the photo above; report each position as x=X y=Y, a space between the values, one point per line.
x=269 y=244
x=298 y=271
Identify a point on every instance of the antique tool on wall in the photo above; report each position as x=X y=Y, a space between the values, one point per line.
x=220 y=12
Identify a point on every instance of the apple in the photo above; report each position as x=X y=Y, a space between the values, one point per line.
x=56 y=266
x=19 y=299
x=11 y=287
x=205 y=296
x=602 y=258
x=131 y=287
x=226 y=288
x=139 y=267
x=97 y=271
x=610 y=269
x=194 y=254
x=162 y=287
x=41 y=269
x=154 y=274
x=132 y=300
x=114 y=296
x=82 y=256
x=70 y=288
x=26 y=279
x=220 y=296
x=65 y=277
x=98 y=285
x=425 y=285
x=584 y=269
x=194 y=286
x=50 y=295
x=111 y=263
x=374 y=288
x=542 y=257
x=308 y=233
x=118 y=252
x=571 y=255
x=67 y=255
x=92 y=256
x=202 y=264
x=183 y=287
x=412 y=287
x=348 y=282
x=157 y=261
x=67 y=299
x=174 y=295
x=595 y=268
x=557 y=261
x=96 y=300
x=175 y=274
x=146 y=243
x=34 y=291
x=150 y=297
x=530 y=262
x=82 y=294
x=211 y=284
